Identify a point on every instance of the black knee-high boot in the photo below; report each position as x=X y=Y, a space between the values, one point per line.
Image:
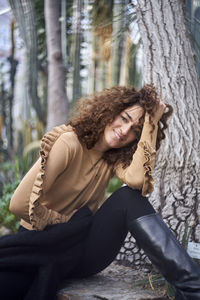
x=166 y=253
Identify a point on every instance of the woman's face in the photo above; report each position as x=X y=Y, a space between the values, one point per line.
x=121 y=131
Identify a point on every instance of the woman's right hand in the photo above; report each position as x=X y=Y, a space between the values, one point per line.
x=160 y=109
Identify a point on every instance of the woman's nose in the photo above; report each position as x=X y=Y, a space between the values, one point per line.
x=125 y=128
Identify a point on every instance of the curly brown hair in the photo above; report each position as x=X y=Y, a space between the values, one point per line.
x=94 y=112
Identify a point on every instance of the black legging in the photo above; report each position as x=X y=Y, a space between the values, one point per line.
x=109 y=228
x=106 y=235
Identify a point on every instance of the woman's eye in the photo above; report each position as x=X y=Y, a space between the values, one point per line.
x=124 y=119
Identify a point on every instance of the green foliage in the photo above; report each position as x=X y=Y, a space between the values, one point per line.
x=11 y=173
x=102 y=12
x=134 y=75
x=7 y=219
x=186 y=235
x=157 y=283
x=113 y=185
x=30 y=153
x=41 y=36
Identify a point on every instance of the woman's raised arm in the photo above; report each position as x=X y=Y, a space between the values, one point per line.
x=138 y=174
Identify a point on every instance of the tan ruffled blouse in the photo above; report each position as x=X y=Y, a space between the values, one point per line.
x=68 y=176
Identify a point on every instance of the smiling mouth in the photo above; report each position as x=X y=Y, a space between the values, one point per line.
x=119 y=137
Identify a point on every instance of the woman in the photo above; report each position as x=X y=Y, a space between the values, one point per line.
x=67 y=231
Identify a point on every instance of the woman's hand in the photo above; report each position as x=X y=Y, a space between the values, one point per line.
x=160 y=109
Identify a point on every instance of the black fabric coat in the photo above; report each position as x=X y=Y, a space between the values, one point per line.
x=49 y=255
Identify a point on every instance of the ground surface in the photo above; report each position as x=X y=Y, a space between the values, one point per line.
x=117 y=282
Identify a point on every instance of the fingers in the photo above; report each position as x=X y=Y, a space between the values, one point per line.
x=162 y=106
x=159 y=110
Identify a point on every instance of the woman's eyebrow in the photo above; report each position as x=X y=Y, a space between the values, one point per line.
x=128 y=116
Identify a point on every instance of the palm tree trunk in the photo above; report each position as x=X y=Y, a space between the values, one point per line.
x=57 y=98
x=76 y=48
x=63 y=32
x=24 y=14
x=118 y=39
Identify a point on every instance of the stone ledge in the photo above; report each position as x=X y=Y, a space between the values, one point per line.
x=116 y=282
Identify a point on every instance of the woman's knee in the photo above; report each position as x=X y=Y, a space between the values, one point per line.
x=128 y=193
x=124 y=195
x=132 y=201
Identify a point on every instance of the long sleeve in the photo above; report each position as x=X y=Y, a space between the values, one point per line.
x=39 y=180
x=58 y=159
x=138 y=174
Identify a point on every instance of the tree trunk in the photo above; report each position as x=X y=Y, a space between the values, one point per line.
x=13 y=65
x=76 y=48
x=168 y=62
x=63 y=32
x=92 y=65
x=103 y=69
x=57 y=99
x=118 y=39
x=24 y=13
x=2 y=120
x=134 y=73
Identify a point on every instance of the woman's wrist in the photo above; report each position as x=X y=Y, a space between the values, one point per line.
x=148 y=118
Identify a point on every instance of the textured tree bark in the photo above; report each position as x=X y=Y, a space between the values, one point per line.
x=168 y=62
x=24 y=14
x=118 y=39
x=57 y=98
x=13 y=65
x=63 y=32
x=76 y=48
x=93 y=67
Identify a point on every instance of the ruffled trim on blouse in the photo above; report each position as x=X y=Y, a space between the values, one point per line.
x=149 y=154
x=40 y=215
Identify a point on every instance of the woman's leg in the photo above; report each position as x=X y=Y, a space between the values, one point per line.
x=127 y=210
x=109 y=229
x=15 y=284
